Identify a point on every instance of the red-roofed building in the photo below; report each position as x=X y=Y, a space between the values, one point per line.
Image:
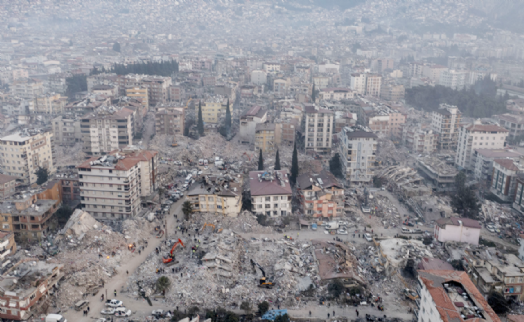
x=111 y=186
x=270 y=192
x=451 y=296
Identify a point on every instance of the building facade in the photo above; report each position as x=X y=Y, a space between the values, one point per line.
x=270 y=193
x=319 y=130
x=357 y=152
x=170 y=121
x=321 y=195
x=445 y=121
x=66 y=131
x=463 y=230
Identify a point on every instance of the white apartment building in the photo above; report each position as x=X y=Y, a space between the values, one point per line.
x=320 y=82
x=357 y=152
x=478 y=136
x=24 y=152
x=259 y=77
x=319 y=129
x=27 y=88
x=270 y=193
x=336 y=94
x=106 y=130
x=373 y=85
x=420 y=141
x=358 y=83
x=455 y=79
x=445 y=121
x=271 y=67
x=66 y=131
x=111 y=186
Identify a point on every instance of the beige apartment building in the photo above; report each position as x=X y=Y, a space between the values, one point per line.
x=27 y=88
x=170 y=121
x=319 y=129
x=22 y=153
x=445 y=121
x=139 y=93
x=373 y=85
x=106 y=130
x=49 y=104
x=111 y=186
x=66 y=131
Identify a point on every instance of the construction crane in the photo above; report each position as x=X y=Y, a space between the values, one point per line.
x=187 y=104
x=264 y=281
x=169 y=258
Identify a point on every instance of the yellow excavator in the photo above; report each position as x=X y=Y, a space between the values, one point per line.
x=264 y=281
x=174 y=144
x=208 y=225
x=187 y=104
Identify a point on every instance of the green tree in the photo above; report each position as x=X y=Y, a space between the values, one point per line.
x=427 y=240
x=63 y=214
x=464 y=201
x=260 y=161
x=116 y=47
x=246 y=306
x=42 y=174
x=313 y=93
x=498 y=303
x=277 y=161
x=161 y=193
x=187 y=209
x=162 y=284
x=335 y=166
x=263 y=307
x=200 y=123
x=76 y=83
x=282 y=318
x=294 y=166
x=335 y=288
x=228 y=118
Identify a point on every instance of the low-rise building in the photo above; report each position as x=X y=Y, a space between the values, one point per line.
x=218 y=194
x=439 y=172
x=463 y=230
x=7 y=186
x=24 y=286
x=321 y=195
x=270 y=193
x=336 y=94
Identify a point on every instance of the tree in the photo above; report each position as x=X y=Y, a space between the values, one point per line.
x=116 y=47
x=42 y=174
x=498 y=303
x=263 y=307
x=225 y=129
x=277 y=162
x=187 y=209
x=76 y=83
x=260 y=161
x=464 y=201
x=335 y=288
x=335 y=166
x=63 y=214
x=200 y=123
x=246 y=306
x=162 y=284
x=294 y=166
x=193 y=310
x=161 y=193
x=313 y=93
x=282 y=318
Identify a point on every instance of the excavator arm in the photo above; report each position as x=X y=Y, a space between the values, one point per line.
x=170 y=257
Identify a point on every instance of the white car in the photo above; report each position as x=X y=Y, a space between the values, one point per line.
x=368 y=237
x=114 y=303
x=121 y=311
x=108 y=311
x=491 y=228
x=342 y=231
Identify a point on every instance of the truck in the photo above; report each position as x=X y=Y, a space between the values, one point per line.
x=54 y=318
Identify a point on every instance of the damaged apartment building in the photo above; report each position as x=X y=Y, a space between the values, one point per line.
x=218 y=194
x=321 y=195
x=111 y=187
x=270 y=192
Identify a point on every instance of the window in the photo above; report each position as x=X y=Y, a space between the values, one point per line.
x=268 y=206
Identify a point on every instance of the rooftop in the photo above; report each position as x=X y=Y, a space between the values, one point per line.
x=455 y=221
x=263 y=183
x=118 y=160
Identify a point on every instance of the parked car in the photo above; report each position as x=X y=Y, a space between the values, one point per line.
x=114 y=303
x=491 y=228
x=368 y=237
x=81 y=304
x=121 y=311
x=108 y=311
x=342 y=231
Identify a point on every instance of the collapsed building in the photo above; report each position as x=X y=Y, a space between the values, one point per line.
x=218 y=193
x=439 y=172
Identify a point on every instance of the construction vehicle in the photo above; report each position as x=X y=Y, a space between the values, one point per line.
x=410 y=294
x=169 y=258
x=208 y=225
x=174 y=144
x=264 y=281
x=187 y=104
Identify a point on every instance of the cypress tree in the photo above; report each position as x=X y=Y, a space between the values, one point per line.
x=260 y=161
x=277 y=162
x=294 y=166
x=313 y=93
x=200 y=124
x=227 y=123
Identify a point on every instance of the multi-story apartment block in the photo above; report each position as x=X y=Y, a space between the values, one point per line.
x=455 y=79
x=24 y=286
x=7 y=186
x=259 y=77
x=321 y=82
x=336 y=94
x=445 y=121
x=66 y=131
x=248 y=122
x=285 y=131
x=433 y=72
x=358 y=83
x=212 y=110
x=22 y=153
x=139 y=93
x=319 y=129
x=357 y=152
x=176 y=93
x=170 y=121
x=48 y=104
x=157 y=87
x=518 y=201
x=416 y=69
x=420 y=141
x=271 y=67
x=221 y=195
x=373 y=85
x=505 y=175
x=265 y=137
x=478 y=136
x=451 y=296
x=7 y=245
x=513 y=123
x=105 y=130
x=111 y=186
x=57 y=82
x=280 y=86
x=321 y=195
x=105 y=90
x=101 y=79
x=27 y=88
x=391 y=92
x=270 y=193
x=483 y=162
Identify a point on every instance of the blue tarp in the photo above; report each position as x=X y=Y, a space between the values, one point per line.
x=272 y=314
